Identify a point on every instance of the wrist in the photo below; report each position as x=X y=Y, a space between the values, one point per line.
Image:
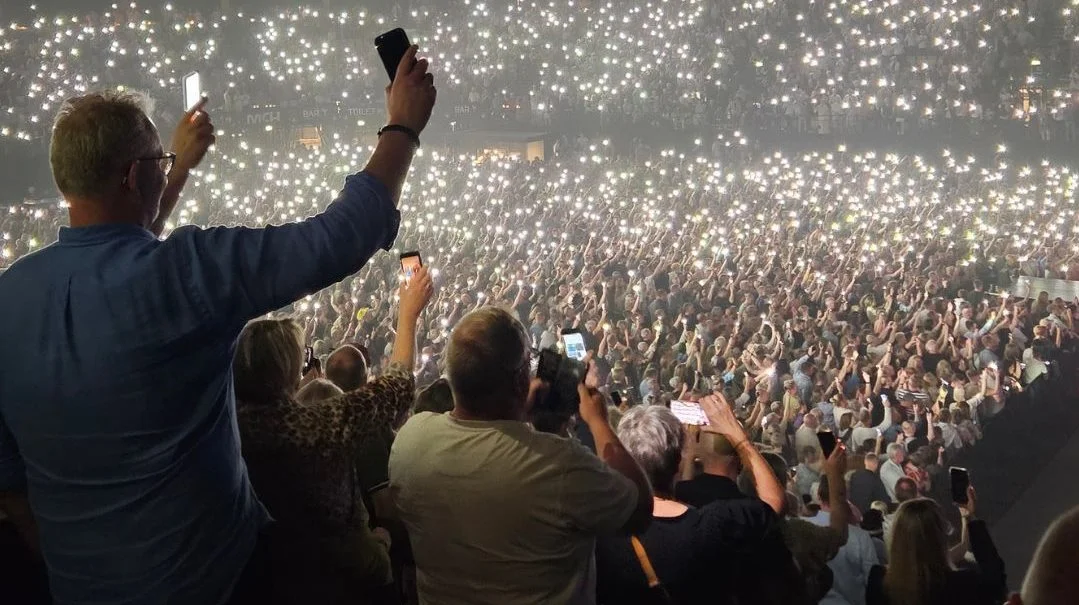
x=402 y=128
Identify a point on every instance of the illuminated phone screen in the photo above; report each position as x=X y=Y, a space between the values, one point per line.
x=410 y=264
x=688 y=412
x=192 y=89
x=574 y=344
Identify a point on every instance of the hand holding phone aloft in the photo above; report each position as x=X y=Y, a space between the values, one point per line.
x=416 y=294
x=193 y=137
x=410 y=99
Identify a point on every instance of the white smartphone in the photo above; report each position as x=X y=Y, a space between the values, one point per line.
x=573 y=343
x=192 y=89
x=688 y=412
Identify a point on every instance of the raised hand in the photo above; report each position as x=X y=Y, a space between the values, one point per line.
x=411 y=97
x=193 y=137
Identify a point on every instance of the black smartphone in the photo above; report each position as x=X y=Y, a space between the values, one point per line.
x=616 y=398
x=308 y=359
x=410 y=263
x=392 y=46
x=827 y=442
x=960 y=482
x=547 y=370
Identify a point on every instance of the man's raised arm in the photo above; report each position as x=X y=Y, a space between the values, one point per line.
x=236 y=274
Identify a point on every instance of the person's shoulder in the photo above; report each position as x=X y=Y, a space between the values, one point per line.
x=28 y=266
x=421 y=422
x=740 y=509
x=569 y=449
x=419 y=434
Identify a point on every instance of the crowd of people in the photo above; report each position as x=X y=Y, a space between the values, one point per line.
x=197 y=407
x=823 y=68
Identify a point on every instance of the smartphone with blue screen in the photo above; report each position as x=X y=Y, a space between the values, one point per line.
x=573 y=343
x=410 y=264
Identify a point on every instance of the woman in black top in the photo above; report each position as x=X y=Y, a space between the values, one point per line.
x=694 y=552
x=920 y=570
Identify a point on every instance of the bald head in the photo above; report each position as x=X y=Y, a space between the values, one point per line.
x=1051 y=579
x=347 y=368
x=487 y=364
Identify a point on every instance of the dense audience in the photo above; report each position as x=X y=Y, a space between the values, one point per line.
x=815 y=68
x=197 y=407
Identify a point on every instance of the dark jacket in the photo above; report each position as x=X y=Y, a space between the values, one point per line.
x=865 y=488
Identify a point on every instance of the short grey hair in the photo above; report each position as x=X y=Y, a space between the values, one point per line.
x=895 y=447
x=318 y=390
x=654 y=437
x=487 y=360
x=96 y=136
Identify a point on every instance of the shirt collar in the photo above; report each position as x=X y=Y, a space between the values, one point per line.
x=96 y=234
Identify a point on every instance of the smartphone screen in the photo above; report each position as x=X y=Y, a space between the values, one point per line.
x=573 y=341
x=688 y=412
x=960 y=482
x=410 y=263
x=827 y=442
x=616 y=398
x=192 y=89
x=392 y=46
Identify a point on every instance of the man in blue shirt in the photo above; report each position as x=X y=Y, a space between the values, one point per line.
x=117 y=414
x=802 y=371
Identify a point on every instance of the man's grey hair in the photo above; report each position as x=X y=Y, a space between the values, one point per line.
x=654 y=437
x=895 y=447
x=96 y=136
x=317 y=390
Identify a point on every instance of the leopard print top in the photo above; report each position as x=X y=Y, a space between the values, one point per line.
x=300 y=457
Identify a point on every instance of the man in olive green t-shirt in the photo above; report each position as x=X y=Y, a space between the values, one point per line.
x=497 y=512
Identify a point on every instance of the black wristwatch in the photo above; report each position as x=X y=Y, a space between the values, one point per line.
x=412 y=134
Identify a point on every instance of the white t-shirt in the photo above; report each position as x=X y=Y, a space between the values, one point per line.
x=498 y=513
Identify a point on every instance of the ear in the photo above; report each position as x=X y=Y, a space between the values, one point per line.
x=1014 y=599
x=130 y=181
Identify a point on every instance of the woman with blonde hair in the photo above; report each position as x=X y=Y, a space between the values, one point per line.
x=920 y=569
x=301 y=455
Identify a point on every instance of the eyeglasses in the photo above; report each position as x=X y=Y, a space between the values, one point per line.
x=165 y=162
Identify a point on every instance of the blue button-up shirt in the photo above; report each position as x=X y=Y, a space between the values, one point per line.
x=117 y=413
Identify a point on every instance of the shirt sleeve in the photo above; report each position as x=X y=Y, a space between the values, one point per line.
x=12 y=469
x=796 y=367
x=867 y=555
x=594 y=497
x=347 y=418
x=989 y=562
x=236 y=273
